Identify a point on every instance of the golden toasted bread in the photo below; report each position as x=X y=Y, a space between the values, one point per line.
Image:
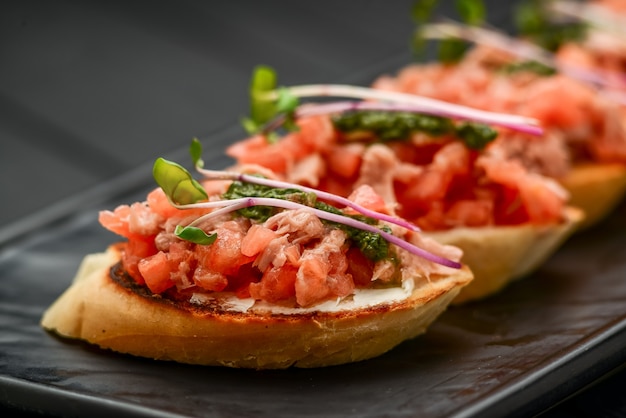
x=596 y=189
x=501 y=254
x=105 y=307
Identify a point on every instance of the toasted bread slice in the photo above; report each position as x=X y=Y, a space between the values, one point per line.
x=103 y=307
x=502 y=254
x=596 y=189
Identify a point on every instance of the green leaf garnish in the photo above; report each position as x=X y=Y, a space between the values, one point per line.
x=195 y=235
x=534 y=22
x=195 y=150
x=452 y=50
x=177 y=183
x=421 y=13
x=472 y=12
x=267 y=102
x=262 y=109
x=286 y=102
x=422 y=10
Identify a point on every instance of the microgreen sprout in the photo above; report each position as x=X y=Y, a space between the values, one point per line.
x=450 y=50
x=264 y=109
x=195 y=235
x=378 y=99
x=177 y=183
x=173 y=178
x=536 y=22
x=524 y=50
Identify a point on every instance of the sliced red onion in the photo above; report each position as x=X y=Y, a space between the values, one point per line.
x=525 y=125
x=246 y=178
x=227 y=206
x=418 y=103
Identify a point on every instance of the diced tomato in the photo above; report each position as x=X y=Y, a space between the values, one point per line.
x=545 y=102
x=243 y=292
x=292 y=253
x=130 y=262
x=422 y=154
x=359 y=267
x=340 y=285
x=240 y=282
x=181 y=261
x=419 y=196
x=311 y=285
x=257 y=150
x=209 y=279
x=134 y=251
x=132 y=221
x=244 y=151
x=277 y=283
x=470 y=213
x=256 y=240
x=224 y=255
x=335 y=185
x=315 y=133
x=156 y=272
x=158 y=202
x=433 y=219
x=116 y=221
x=573 y=53
x=523 y=197
x=509 y=208
x=542 y=204
x=345 y=160
x=367 y=197
x=434 y=184
x=339 y=281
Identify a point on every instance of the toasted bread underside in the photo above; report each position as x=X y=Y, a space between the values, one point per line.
x=597 y=189
x=99 y=310
x=502 y=254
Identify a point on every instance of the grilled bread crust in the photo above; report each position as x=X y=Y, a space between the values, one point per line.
x=597 y=189
x=500 y=255
x=103 y=308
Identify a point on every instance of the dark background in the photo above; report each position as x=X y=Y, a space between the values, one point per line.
x=91 y=91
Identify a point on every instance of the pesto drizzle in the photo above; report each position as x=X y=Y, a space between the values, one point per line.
x=389 y=126
x=372 y=245
x=528 y=66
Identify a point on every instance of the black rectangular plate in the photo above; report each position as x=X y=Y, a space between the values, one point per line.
x=540 y=340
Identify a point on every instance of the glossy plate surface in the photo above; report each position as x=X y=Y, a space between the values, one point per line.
x=88 y=89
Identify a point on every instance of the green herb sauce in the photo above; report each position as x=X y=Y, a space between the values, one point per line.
x=389 y=126
x=372 y=245
x=528 y=66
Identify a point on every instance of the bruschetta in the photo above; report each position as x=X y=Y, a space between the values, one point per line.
x=243 y=271
x=430 y=163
